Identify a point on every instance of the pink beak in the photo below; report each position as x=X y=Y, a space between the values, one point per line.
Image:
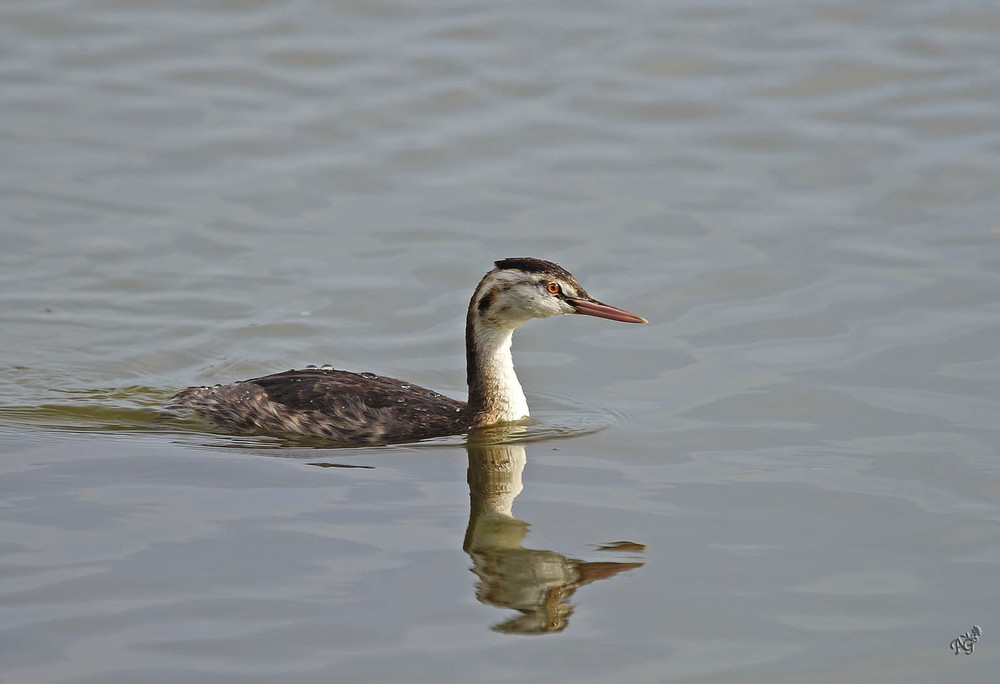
x=591 y=307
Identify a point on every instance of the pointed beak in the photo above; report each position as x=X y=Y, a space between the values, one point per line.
x=592 y=307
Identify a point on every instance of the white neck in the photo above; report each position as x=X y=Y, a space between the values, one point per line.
x=494 y=390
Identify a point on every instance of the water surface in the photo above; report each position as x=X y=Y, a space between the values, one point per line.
x=801 y=448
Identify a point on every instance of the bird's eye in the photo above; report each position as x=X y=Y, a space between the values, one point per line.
x=553 y=288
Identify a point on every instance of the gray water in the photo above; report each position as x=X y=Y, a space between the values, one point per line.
x=801 y=449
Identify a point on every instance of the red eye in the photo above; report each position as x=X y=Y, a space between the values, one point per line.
x=553 y=288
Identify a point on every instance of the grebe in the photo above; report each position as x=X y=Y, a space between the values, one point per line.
x=362 y=408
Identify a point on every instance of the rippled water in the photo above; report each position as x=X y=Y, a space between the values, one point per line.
x=800 y=449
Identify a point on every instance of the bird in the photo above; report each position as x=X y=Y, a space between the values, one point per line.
x=350 y=408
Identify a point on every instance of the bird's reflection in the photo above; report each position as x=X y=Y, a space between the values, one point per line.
x=536 y=583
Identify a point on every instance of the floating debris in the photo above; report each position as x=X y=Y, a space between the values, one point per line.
x=341 y=465
x=622 y=546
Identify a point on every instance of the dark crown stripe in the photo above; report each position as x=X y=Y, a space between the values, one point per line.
x=532 y=265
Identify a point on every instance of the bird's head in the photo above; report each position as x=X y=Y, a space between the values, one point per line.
x=522 y=288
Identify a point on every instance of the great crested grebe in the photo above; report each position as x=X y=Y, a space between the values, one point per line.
x=359 y=408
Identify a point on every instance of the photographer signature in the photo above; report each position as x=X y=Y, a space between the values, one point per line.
x=967 y=642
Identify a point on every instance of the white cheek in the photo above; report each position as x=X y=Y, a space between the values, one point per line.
x=552 y=307
x=545 y=306
x=516 y=308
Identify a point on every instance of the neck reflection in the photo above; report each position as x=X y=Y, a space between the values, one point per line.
x=536 y=583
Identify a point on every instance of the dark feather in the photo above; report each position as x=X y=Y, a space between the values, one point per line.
x=533 y=265
x=337 y=405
